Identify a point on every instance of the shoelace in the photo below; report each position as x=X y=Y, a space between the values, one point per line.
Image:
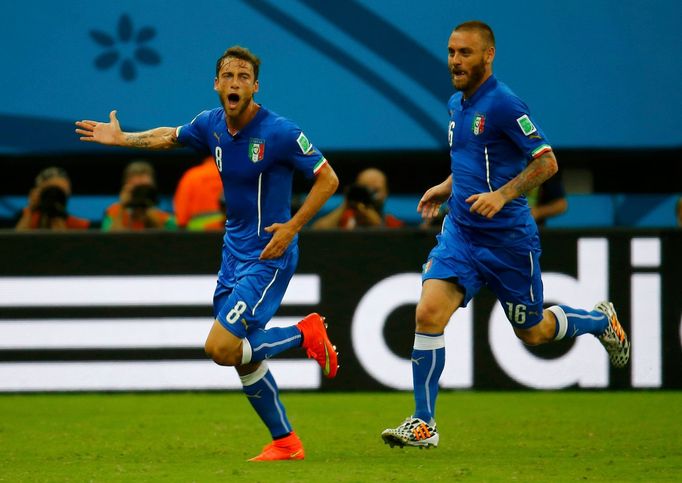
x=421 y=432
x=618 y=329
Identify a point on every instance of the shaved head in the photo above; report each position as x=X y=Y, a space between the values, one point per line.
x=483 y=29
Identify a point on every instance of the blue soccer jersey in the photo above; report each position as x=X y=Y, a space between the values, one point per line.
x=492 y=137
x=256 y=166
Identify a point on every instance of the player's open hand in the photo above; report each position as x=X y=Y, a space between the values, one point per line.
x=429 y=205
x=282 y=234
x=486 y=204
x=101 y=132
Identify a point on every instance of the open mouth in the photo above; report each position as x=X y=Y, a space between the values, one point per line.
x=233 y=100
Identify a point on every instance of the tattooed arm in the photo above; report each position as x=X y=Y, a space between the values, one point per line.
x=539 y=170
x=110 y=133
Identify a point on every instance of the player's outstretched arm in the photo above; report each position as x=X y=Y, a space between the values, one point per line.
x=110 y=133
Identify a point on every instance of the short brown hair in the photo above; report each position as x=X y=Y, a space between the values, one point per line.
x=138 y=167
x=51 y=172
x=239 y=52
x=481 y=27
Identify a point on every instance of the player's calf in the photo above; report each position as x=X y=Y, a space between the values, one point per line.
x=540 y=333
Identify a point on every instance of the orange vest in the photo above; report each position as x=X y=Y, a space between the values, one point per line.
x=72 y=222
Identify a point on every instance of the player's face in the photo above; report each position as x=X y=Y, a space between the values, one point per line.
x=469 y=60
x=235 y=85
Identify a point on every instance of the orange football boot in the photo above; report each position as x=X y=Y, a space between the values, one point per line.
x=287 y=448
x=317 y=344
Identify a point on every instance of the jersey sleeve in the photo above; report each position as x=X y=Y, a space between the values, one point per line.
x=300 y=152
x=517 y=123
x=193 y=134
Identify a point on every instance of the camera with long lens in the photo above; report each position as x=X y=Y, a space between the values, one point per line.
x=143 y=196
x=52 y=202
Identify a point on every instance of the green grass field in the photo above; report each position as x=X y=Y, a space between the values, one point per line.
x=485 y=436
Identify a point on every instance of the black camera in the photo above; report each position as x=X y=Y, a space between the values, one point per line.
x=143 y=196
x=52 y=202
x=357 y=194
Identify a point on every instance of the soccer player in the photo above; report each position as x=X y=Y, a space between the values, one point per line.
x=256 y=152
x=488 y=236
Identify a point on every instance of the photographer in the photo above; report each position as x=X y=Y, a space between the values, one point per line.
x=136 y=208
x=47 y=204
x=363 y=205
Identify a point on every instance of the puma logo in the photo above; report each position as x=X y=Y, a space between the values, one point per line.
x=416 y=361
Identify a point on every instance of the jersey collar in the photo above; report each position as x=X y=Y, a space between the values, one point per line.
x=262 y=112
x=489 y=84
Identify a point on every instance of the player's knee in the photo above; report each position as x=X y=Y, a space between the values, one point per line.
x=222 y=355
x=431 y=318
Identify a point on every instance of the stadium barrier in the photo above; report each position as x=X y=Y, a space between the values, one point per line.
x=105 y=312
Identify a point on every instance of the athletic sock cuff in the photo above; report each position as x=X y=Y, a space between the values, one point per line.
x=427 y=342
x=247 y=352
x=561 y=321
x=255 y=376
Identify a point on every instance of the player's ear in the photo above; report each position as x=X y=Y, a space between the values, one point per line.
x=215 y=83
x=255 y=86
x=490 y=55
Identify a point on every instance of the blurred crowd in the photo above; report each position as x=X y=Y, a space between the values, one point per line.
x=198 y=203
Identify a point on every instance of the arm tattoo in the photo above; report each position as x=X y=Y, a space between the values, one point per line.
x=139 y=140
x=536 y=173
x=159 y=138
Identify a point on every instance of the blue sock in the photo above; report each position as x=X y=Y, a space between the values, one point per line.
x=428 y=361
x=261 y=390
x=574 y=322
x=266 y=343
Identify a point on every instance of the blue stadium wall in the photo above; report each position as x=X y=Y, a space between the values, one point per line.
x=356 y=75
x=104 y=312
